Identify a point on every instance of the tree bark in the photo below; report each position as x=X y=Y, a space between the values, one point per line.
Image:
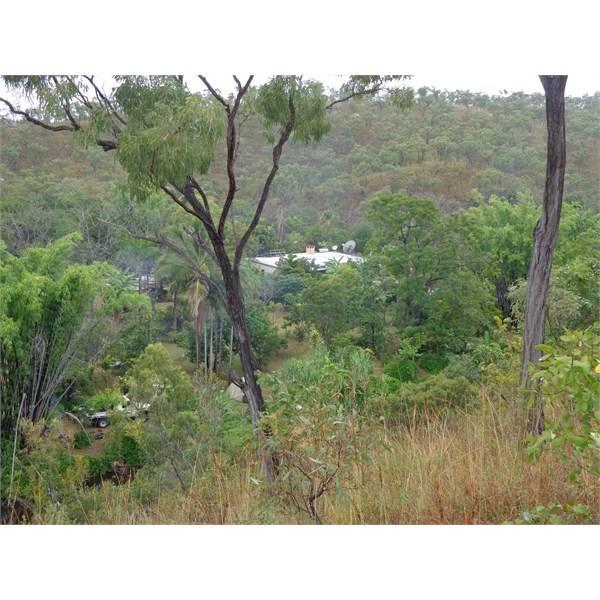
x=249 y=385
x=174 y=310
x=544 y=239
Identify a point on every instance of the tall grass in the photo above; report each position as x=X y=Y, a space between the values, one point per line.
x=462 y=468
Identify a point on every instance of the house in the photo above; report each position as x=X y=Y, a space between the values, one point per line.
x=320 y=258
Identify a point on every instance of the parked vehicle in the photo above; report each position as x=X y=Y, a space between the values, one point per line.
x=101 y=418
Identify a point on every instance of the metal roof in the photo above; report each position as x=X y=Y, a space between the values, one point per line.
x=320 y=259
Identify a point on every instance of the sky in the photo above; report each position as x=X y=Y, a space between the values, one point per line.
x=447 y=45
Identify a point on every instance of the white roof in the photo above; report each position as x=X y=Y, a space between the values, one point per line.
x=320 y=259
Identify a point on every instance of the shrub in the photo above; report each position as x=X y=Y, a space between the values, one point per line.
x=433 y=363
x=130 y=451
x=463 y=365
x=480 y=354
x=402 y=369
x=81 y=440
x=429 y=397
x=320 y=441
x=569 y=381
x=105 y=400
x=98 y=465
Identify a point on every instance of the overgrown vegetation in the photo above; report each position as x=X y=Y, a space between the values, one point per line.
x=402 y=404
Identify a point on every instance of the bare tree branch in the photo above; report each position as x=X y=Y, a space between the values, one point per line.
x=35 y=121
x=103 y=99
x=213 y=92
x=162 y=241
x=194 y=235
x=285 y=134
x=367 y=92
x=231 y=151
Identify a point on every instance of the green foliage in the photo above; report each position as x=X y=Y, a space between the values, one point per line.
x=480 y=355
x=402 y=369
x=331 y=303
x=432 y=396
x=569 y=381
x=44 y=325
x=414 y=246
x=264 y=335
x=97 y=465
x=319 y=438
x=104 y=400
x=564 y=306
x=554 y=514
x=275 y=100
x=346 y=305
x=155 y=379
x=176 y=437
x=44 y=474
x=342 y=375
x=433 y=363
x=170 y=133
x=81 y=439
x=130 y=451
x=459 y=309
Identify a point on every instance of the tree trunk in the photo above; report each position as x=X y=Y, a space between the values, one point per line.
x=231 y=349
x=174 y=310
x=237 y=315
x=544 y=239
x=211 y=357
x=205 y=354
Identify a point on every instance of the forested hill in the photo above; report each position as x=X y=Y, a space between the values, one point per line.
x=444 y=147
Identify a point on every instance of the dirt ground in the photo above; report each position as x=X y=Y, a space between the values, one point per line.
x=69 y=427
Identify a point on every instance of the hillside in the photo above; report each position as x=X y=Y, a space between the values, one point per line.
x=446 y=145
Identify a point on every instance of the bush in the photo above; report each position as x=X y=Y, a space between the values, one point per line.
x=569 y=381
x=429 y=397
x=98 y=465
x=105 y=400
x=402 y=369
x=130 y=451
x=481 y=354
x=463 y=365
x=433 y=363
x=81 y=440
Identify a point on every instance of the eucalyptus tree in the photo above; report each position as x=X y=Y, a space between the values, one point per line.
x=544 y=236
x=167 y=137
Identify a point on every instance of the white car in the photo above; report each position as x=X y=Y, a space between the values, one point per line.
x=101 y=418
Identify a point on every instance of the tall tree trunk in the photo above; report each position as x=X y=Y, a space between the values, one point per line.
x=544 y=239
x=211 y=359
x=249 y=385
x=174 y=310
x=219 y=351
x=205 y=354
x=231 y=349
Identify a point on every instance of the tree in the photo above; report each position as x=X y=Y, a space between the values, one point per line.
x=166 y=138
x=544 y=237
x=332 y=302
x=413 y=242
x=497 y=241
x=42 y=326
x=183 y=277
x=55 y=318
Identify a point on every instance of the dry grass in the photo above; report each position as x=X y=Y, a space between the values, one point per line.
x=468 y=469
x=471 y=469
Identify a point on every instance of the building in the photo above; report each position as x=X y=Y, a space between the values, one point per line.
x=320 y=258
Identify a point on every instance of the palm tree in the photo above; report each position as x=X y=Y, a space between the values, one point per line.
x=185 y=276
